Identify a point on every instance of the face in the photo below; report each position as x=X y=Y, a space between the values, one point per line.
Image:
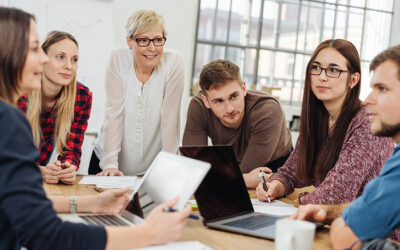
x=33 y=68
x=63 y=62
x=227 y=103
x=147 y=57
x=332 y=90
x=382 y=103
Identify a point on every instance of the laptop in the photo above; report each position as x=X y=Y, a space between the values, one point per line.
x=168 y=176
x=222 y=197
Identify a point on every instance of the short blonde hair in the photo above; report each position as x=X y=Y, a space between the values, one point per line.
x=142 y=21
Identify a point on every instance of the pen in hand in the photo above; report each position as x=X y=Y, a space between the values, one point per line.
x=168 y=209
x=98 y=189
x=264 y=184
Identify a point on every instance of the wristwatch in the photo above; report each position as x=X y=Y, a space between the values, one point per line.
x=301 y=195
x=72 y=204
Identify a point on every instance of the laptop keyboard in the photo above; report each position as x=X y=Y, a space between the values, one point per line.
x=103 y=220
x=254 y=222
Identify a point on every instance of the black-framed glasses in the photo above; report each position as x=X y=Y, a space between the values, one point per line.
x=144 y=42
x=329 y=72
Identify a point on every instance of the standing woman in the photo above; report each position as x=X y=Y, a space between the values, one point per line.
x=144 y=85
x=336 y=151
x=59 y=111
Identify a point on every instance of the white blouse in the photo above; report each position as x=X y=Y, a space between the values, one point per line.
x=140 y=119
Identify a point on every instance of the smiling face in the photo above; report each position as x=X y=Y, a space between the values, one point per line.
x=227 y=103
x=147 y=57
x=331 y=90
x=32 y=71
x=63 y=62
x=383 y=105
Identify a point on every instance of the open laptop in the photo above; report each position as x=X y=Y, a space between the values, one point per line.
x=169 y=176
x=222 y=196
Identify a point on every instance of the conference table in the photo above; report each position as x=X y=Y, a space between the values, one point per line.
x=194 y=229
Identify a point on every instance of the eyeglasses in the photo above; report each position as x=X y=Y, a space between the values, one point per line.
x=329 y=72
x=144 y=42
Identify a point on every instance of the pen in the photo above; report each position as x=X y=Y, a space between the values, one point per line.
x=264 y=184
x=168 y=209
x=98 y=189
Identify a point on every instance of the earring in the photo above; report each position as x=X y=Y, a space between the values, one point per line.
x=352 y=86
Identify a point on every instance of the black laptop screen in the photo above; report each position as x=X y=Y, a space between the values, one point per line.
x=223 y=192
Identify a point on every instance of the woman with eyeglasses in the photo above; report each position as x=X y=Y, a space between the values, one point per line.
x=336 y=151
x=144 y=85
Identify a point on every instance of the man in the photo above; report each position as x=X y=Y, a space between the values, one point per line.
x=252 y=122
x=376 y=213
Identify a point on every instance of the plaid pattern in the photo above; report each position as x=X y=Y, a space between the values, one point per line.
x=83 y=104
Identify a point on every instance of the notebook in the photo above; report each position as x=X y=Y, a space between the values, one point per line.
x=222 y=196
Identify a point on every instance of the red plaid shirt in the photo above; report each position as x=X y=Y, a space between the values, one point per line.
x=83 y=104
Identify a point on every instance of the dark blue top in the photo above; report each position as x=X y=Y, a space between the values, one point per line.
x=26 y=215
x=376 y=213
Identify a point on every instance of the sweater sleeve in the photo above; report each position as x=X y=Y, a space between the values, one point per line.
x=265 y=132
x=375 y=214
x=23 y=202
x=82 y=110
x=196 y=124
x=360 y=160
x=287 y=173
x=171 y=106
x=114 y=114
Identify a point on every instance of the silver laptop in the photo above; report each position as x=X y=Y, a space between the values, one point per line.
x=169 y=176
x=222 y=196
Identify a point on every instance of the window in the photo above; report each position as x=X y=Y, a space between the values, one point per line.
x=272 y=40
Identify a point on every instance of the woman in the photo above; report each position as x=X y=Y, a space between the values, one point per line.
x=59 y=111
x=336 y=151
x=144 y=86
x=26 y=215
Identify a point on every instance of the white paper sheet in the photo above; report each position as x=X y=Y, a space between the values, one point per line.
x=112 y=181
x=181 y=245
x=274 y=208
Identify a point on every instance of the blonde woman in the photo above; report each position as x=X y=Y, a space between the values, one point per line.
x=59 y=111
x=144 y=85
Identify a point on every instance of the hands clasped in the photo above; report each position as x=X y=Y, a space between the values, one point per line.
x=57 y=171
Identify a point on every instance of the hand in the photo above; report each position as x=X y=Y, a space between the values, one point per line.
x=166 y=226
x=110 y=172
x=68 y=172
x=111 y=201
x=275 y=190
x=252 y=179
x=313 y=213
x=51 y=173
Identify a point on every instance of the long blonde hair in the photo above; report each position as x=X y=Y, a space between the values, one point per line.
x=64 y=107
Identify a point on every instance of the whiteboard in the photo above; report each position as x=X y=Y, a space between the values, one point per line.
x=91 y=22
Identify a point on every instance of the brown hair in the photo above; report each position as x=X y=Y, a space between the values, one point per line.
x=314 y=120
x=217 y=73
x=392 y=53
x=65 y=105
x=14 y=44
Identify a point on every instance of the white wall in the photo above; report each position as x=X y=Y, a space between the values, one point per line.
x=180 y=18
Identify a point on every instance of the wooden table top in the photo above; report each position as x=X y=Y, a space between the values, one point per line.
x=195 y=230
